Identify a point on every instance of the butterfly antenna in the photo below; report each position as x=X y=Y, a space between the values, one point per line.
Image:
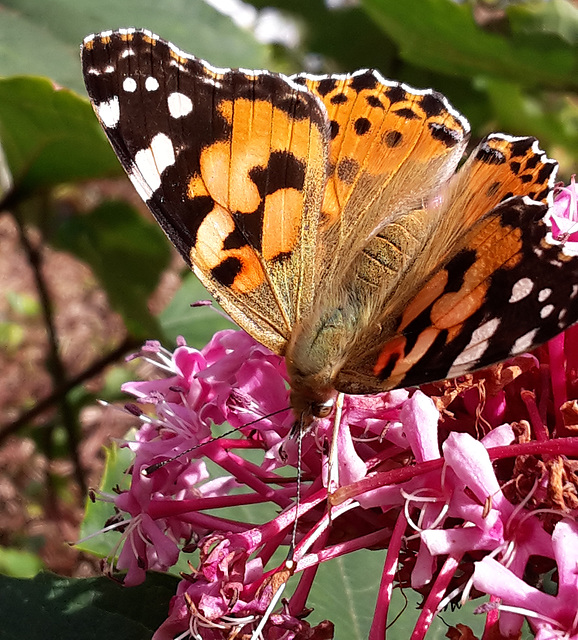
x=300 y=433
x=158 y=465
x=289 y=565
x=333 y=466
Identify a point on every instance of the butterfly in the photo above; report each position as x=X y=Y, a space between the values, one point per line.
x=326 y=216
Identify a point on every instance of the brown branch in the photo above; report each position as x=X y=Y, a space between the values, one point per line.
x=127 y=345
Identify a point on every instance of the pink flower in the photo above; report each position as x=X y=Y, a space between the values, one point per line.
x=471 y=472
x=551 y=617
x=563 y=214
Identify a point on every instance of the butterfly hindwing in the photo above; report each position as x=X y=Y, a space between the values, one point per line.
x=510 y=288
x=231 y=163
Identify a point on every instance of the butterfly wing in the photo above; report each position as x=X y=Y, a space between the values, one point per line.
x=504 y=285
x=232 y=165
x=391 y=147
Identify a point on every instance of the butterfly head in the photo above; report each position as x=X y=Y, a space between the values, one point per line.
x=308 y=405
x=312 y=393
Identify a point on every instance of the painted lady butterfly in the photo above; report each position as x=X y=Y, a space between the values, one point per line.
x=325 y=215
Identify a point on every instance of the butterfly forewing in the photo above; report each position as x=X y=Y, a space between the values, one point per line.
x=231 y=163
x=391 y=147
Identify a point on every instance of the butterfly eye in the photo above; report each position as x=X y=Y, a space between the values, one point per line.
x=322 y=409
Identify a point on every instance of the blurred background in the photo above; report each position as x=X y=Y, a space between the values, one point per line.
x=85 y=274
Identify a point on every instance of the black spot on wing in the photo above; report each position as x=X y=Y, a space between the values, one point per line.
x=532 y=161
x=339 y=98
x=522 y=146
x=374 y=101
x=489 y=155
x=392 y=138
x=362 y=126
x=235 y=239
x=546 y=171
x=283 y=171
x=406 y=113
x=396 y=93
x=457 y=268
x=363 y=81
x=448 y=137
x=432 y=104
x=226 y=272
x=325 y=86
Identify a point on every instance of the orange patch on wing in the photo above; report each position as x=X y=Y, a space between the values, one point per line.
x=209 y=253
x=430 y=292
x=454 y=308
x=394 y=348
x=151 y=41
x=376 y=136
x=230 y=186
x=225 y=108
x=281 y=231
x=196 y=187
x=251 y=273
x=424 y=341
x=497 y=247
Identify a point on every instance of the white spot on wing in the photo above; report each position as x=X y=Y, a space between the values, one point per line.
x=142 y=188
x=524 y=343
x=544 y=294
x=478 y=343
x=546 y=311
x=521 y=289
x=127 y=52
x=129 y=84
x=179 y=104
x=109 y=112
x=151 y=163
x=109 y=69
x=151 y=84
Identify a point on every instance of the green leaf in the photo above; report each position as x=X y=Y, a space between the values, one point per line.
x=50 y=135
x=11 y=337
x=18 y=563
x=43 y=38
x=520 y=112
x=329 y=33
x=442 y=35
x=90 y=608
x=127 y=254
x=197 y=325
x=118 y=460
x=556 y=17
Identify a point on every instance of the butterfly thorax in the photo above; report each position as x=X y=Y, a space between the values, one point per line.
x=315 y=354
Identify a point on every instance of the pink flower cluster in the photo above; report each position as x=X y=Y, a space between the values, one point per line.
x=469 y=484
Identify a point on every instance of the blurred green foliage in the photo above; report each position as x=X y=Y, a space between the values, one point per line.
x=508 y=66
